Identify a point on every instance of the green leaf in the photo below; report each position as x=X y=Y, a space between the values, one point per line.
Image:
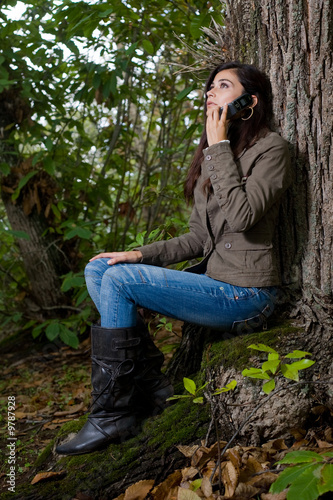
x=302 y=456
x=148 y=46
x=273 y=355
x=82 y=296
x=72 y=282
x=298 y=354
x=269 y=386
x=190 y=385
x=262 y=347
x=326 y=480
x=271 y=366
x=22 y=183
x=56 y=211
x=179 y=396
x=131 y=49
x=49 y=165
x=20 y=234
x=185 y=92
x=5 y=168
x=48 y=143
x=81 y=232
x=52 y=331
x=289 y=373
x=305 y=485
x=198 y=400
x=255 y=373
x=195 y=485
x=69 y=337
x=140 y=239
x=106 y=13
x=301 y=365
x=228 y=387
x=285 y=478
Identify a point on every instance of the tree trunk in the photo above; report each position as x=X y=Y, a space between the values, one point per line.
x=292 y=42
x=43 y=261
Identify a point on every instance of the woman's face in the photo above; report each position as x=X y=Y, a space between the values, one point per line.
x=224 y=89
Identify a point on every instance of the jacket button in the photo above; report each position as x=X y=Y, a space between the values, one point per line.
x=228 y=245
x=214 y=176
x=211 y=167
x=208 y=157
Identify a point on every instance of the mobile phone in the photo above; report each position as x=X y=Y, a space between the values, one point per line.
x=237 y=105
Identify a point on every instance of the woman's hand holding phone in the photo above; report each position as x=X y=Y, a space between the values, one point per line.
x=216 y=126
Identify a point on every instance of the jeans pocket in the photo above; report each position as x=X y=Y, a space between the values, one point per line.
x=254 y=323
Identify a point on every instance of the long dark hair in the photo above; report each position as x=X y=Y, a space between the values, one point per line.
x=242 y=134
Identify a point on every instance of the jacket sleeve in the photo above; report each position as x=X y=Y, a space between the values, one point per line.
x=243 y=206
x=187 y=246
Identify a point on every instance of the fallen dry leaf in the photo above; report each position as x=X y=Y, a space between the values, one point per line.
x=140 y=490
x=230 y=477
x=324 y=444
x=19 y=415
x=275 y=444
x=71 y=410
x=187 y=495
x=207 y=471
x=264 y=480
x=189 y=473
x=169 y=487
x=274 y=496
x=234 y=457
x=187 y=451
x=206 y=487
x=329 y=434
x=48 y=476
x=246 y=491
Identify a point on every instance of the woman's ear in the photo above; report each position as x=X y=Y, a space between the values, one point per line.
x=254 y=101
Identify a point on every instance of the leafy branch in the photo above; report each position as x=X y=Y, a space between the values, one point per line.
x=275 y=366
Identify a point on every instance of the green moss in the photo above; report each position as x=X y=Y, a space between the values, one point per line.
x=234 y=352
x=42 y=457
x=180 y=423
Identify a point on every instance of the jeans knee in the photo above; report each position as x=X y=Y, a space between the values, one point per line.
x=95 y=268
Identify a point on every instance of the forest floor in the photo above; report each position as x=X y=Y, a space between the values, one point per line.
x=51 y=386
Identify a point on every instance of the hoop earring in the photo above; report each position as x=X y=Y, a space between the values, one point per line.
x=244 y=119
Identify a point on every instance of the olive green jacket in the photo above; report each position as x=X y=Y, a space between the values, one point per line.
x=233 y=227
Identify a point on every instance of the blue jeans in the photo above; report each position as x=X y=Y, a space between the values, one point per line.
x=118 y=290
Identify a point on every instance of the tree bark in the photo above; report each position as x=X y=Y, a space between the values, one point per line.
x=43 y=261
x=291 y=41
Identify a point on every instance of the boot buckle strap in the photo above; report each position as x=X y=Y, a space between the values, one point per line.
x=124 y=344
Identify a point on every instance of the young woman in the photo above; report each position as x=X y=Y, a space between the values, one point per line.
x=236 y=180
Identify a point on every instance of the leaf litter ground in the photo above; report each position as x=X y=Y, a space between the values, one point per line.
x=51 y=386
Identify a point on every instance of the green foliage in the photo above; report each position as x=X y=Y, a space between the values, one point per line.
x=103 y=130
x=310 y=478
x=194 y=392
x=275 y=366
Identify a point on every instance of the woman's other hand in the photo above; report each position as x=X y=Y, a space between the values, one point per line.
x=216 y=127
x=132 y=257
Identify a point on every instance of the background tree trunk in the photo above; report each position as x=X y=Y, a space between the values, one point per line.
x=43 y=261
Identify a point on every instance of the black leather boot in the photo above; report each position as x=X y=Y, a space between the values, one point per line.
x=114 y=354
x=153 y=387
